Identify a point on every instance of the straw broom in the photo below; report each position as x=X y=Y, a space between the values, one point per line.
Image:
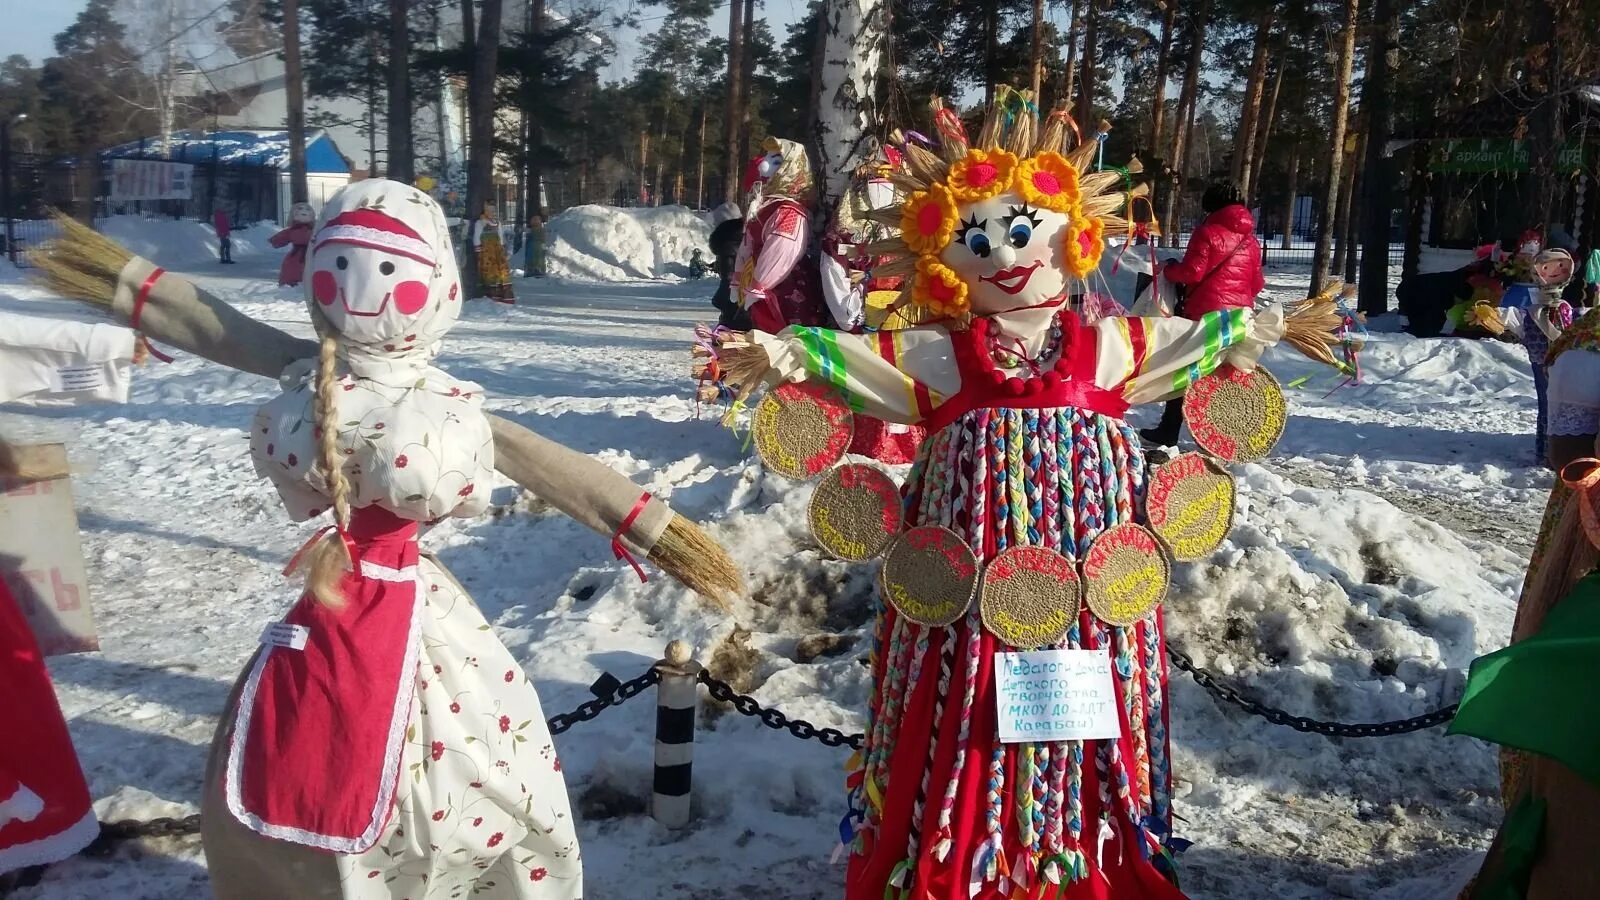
x=1311 y=326
x=86 y=266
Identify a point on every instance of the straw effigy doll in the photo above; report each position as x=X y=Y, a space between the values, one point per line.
x=1027 y=445
x=383 y=742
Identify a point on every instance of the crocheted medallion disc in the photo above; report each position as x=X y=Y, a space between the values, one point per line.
x=802 y=429
x=1190 y=506
x=1126 y=574
x=856 y=512
x=930 y=575
x=1236 y=416
x=1030 y=596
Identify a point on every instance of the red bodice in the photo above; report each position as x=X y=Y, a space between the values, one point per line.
x=1067 y=383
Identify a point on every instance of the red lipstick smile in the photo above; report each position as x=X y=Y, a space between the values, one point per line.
x=1012 y=280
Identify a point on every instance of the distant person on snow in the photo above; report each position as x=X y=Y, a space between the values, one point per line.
x=296 y=237
x=1220 y=270
x=533 y=262
x=724 y=242
x=219 y=220
x=494 y=271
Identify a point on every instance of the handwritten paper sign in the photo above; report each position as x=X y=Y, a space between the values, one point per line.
x=41 y=558
x=802 y=429
x=1055 y=695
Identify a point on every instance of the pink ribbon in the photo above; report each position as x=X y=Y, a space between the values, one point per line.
x=139 y=301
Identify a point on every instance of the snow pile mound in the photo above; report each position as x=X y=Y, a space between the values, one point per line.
x=606 y=243
x=179 y=242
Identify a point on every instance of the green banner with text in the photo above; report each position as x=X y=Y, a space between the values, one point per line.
x=1495 y=155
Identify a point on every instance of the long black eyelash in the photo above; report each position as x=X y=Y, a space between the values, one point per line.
x=971 y=224
x=1023 y=212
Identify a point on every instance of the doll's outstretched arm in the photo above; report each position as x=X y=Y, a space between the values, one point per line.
x=899 y=376
x=1156 y=358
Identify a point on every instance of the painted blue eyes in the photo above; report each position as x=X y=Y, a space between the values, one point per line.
x=1021 y=230
x=978 y=242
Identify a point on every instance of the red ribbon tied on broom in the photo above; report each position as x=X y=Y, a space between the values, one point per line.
x=617 y=548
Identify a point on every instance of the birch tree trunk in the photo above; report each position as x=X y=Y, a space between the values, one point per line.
x=1244 y=139
x=1158 y=106
x=400 y=165
x=1341 y=109
x=294 y=89
x=853 y=36
x=731 y=119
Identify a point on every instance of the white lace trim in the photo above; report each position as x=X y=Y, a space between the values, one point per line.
x=398 y=719
x=378 y=239
x=1573 y=420
x=51 y=849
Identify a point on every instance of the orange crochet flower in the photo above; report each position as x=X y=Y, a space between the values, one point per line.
x=1084 y=243
x=1048 y=181
x=937 y=288
x=981 y=174
x=928 y=220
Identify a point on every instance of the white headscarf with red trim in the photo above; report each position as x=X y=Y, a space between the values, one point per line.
x=383 y=273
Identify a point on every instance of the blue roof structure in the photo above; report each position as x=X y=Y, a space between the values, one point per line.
x=267 y=149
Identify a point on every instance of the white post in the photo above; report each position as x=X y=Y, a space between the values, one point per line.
x=677 y=700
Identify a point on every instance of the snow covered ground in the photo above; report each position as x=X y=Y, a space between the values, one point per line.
x=1375 y=555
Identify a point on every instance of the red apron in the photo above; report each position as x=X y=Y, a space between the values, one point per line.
x=314 y=758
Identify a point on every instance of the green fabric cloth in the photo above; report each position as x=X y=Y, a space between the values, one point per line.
x=1534 y=695
x=1507 y=876
x=1591 y=272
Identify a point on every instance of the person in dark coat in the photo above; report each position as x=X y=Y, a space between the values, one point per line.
x=1220 y=269
x=724 y=242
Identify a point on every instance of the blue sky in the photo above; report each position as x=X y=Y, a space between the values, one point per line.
x=31 y=26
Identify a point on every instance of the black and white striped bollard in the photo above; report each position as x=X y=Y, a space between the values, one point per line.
x=677 y=701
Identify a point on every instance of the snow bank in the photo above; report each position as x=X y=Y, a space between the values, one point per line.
x=606 y=243
x=177 y=242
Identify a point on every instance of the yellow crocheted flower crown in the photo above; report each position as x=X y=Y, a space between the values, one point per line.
x=1012 y=155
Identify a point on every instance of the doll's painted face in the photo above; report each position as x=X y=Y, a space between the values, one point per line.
x=1008 y=253
x=1554 y=268
x=368 y=295
x=302 y=214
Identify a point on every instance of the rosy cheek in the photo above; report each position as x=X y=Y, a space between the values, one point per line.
x=410 y=297
x=323 y=287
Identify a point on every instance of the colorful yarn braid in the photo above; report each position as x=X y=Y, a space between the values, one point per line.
x=1015 y=479
x=1068 y=512
x=1128 y=673
x=1155 y=712
x=1033 y=477
x=974 y=455
x=1050 y=473
x=883 y=745
x=1025 y=805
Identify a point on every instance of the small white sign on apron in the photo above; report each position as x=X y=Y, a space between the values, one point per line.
x=41 y=558
x=1055 y=695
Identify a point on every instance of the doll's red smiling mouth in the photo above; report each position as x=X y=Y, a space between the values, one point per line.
x=1013 y=280
x=367 y=315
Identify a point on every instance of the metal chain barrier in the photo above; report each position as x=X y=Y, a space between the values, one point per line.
x=1301 y=723
x=775 y=719
x=608 y=692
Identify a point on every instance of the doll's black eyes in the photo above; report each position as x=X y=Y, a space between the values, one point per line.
x=386 y=268
x=342 y=263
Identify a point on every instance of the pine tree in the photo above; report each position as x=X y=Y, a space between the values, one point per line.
x=1336 y=136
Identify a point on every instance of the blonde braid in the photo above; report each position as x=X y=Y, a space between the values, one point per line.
x=330 y=559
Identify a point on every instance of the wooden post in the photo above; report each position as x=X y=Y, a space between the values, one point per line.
x=677 y=702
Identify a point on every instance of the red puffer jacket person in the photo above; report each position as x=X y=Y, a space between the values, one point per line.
x=1220 y=270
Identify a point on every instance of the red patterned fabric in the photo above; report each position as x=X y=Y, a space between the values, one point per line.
x=45 y=814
